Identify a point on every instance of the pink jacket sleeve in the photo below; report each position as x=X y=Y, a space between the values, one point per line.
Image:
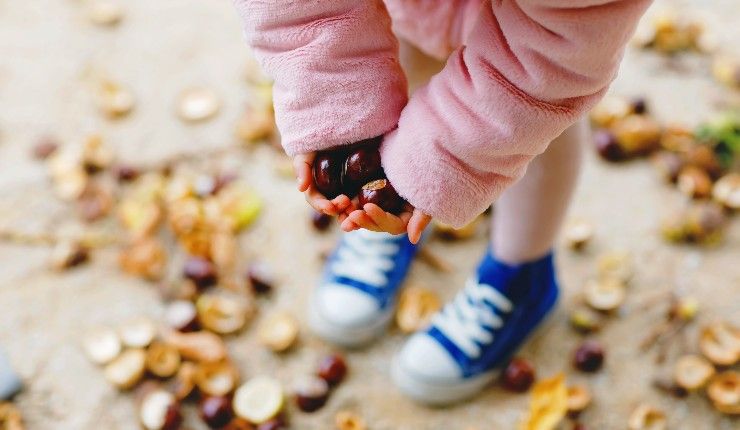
x=528 y=70
x=335 y=66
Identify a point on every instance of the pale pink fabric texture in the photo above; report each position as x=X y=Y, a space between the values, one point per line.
x=521 y=72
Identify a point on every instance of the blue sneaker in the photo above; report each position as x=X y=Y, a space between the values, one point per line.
x=475 y=334
x=356 y=298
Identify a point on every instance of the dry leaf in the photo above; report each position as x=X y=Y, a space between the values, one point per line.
x=548 y=405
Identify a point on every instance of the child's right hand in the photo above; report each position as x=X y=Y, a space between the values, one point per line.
x=303 y=168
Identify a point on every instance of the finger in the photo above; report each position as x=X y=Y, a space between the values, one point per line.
x=386 y=221
x=341 y=203
x=361 y=219
x=302 y=164
x=348 y=225
x=319 y=202
x=418 y=222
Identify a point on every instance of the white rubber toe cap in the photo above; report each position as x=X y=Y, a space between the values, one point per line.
x=425 y=358
x=346 y=306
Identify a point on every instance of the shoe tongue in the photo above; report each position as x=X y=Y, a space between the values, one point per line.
x=519 y=281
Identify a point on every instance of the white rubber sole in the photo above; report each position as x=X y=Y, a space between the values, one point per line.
x=449 y=393
x=438 y=394
x=348 y=337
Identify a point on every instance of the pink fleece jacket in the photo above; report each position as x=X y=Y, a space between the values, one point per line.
x=521 y=72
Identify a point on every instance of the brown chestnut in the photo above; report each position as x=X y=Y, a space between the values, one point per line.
x=261 y=277
x=381 y=193
x=589 y=357
x=126 y=173
x=320 y=221
x=332 y=369
x=311 y=393
x=201 y=271
x=607 y=146
x=216 y=411
x=45 y=147
x=518 y=376
x=327 y=173
x=277 y=423
x=362 y=166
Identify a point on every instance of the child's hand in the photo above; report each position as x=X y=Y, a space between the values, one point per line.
x=303 y=167
x=371 y=217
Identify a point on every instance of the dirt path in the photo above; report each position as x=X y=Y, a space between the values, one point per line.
x=48 y=52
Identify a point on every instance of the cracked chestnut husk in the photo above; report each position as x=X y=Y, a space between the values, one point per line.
x=724 y=392
x=311 y=393
x=259 y=400
x=694 y=182
x=647 y=417
x=381 y=193
x=216 y=378
x=162 y=360
x=347 y=420
x=327 y=173
x=692 y=372
x=579 y=398
x=127 y=369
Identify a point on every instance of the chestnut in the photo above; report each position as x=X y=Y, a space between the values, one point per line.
x=332 y=369
x=518 y=376
x=381 y=193
x=639 y=105
x=362 y=166
x=327 y=173
x=182 y=315
x=126 y=173
x=277 y=423
x=311 y=393
x=45 y=147
x=607 y=146
x=160 y=410
x=201 y=271
x=320 y=221
x=589 y=357
x=216 y=411
x=261 y=278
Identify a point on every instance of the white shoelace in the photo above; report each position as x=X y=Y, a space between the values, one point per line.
x=366 y=257
x=465 y=319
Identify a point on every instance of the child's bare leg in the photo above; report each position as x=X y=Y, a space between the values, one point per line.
x=529 y=214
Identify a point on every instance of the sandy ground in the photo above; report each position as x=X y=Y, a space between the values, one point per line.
x=48 y=51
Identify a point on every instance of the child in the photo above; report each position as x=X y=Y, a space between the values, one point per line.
x=519 y=74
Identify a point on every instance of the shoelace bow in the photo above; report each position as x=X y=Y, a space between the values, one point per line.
x=366 y=257
x=470 y=320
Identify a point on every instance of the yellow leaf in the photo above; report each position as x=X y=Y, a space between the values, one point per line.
x=548 y=405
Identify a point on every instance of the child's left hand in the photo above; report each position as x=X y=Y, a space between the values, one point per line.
x=371 y=217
